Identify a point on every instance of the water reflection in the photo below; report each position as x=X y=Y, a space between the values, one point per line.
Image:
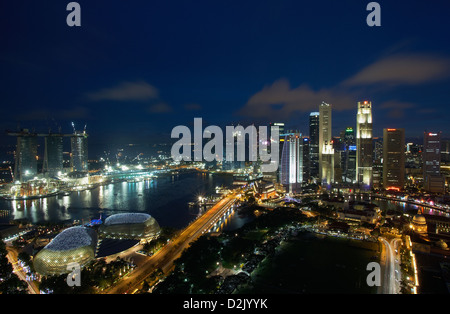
x=165 y=198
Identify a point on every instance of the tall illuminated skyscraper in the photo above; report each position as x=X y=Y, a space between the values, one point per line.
x=364 y=147
x=314 y=144
x=393 y=159
x=326 y=150
x=291 y=166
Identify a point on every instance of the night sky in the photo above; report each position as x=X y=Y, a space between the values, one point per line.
x=136 y=69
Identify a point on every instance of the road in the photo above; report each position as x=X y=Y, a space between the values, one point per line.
x=165 y=257
x=391 y=265
x=17 y=269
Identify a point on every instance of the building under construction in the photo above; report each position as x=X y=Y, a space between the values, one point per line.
x=25 y=166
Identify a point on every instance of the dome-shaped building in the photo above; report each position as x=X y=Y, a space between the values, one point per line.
x=138 y=226
x=419 y=224
x=73 y=245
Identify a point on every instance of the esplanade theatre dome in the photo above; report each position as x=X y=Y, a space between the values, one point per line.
x=138 y=226
x=75 y=244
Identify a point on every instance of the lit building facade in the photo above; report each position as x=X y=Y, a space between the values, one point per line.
x=73 y=245
x=291 y=166
x=364 y=146
x=326 y=150
x=393 y=159
x=138 y=226
x=314 y=144
x=348 y=156
x=431 y=157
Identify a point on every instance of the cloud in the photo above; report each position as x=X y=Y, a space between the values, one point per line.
x=160 y=107
x=47 y=114
x=192 y=107
x=280 y=101
x=126 y=91
x=402 y=69
x=396 y=109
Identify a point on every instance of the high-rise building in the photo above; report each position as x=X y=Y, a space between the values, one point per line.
x=53 y=155
x=306 y=160
x=431 y=157
x=291 y=166
x=348 y=155
x=79 y=154
x=445 y=151
x=25 y=167
x=364 y=147
x=326 y=150
x=377 y=166
x=276 y=141
x=393 y=159
x=314 y=144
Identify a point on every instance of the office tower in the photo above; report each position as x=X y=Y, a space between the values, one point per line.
x=53 y=155
x=393 y=159
x=445 y=151
x=306 y=160
x=364 y=147
x=431 y=157
x=291 y=166
x=25 y=167
x=281 y=135
x=348 y=155
x=326 y=150
x=377 y=166
x=277 y=141
x=79 y=155
x=314 y=144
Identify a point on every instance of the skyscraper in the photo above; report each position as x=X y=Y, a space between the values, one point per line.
x=393 y=159
x=25 y=167
x=53 y=155
x=79 y=155
x=278 y=141
x=348 y=156
x=326 y=150
x=291 y=166
x=364 y=147
x=314 y=144
x=431 y=156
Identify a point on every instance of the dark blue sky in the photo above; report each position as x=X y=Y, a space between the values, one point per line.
x=136 y=69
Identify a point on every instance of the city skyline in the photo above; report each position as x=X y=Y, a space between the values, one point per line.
x=133 y=74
